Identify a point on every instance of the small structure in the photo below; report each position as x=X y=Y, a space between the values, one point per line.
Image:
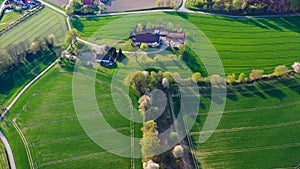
x=175 y=39
x=152 y=40
x=108 y=59
x=87 y=2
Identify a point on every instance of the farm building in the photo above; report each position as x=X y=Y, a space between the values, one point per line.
x=174 y=39
x=152 y=40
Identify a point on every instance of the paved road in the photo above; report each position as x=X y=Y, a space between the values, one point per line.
x=2 y=7
x=9 y=152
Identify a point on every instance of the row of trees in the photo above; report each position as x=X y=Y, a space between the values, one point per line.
x=253 y=75
x=159 y=25
x=76 y=7
x=248 y=6
x=14 y=54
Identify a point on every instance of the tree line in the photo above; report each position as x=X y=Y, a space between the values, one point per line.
x=14 y=54
x=248 y=6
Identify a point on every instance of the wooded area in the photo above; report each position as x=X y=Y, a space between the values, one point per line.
x=247 y=6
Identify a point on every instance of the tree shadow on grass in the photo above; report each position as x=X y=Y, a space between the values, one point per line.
x=255 y=91
x=272 y=91
x=243 y=92
x=77 y=24
x=231 y=94
x=291 y=84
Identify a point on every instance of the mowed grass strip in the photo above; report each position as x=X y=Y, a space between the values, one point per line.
x=40 y=25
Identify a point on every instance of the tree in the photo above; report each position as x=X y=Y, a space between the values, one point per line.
x=196 y=77
x=51 y=39
x=230 y=78
x=256 y=74
x=242 y=78
x=144 y=46
x=178 y=151
x=165 y=82
x=159 y=3
x=150 y=142
x=34 y=48
x=69 y=38
x=145 y=103
x=280 y=70
x=150 y=165
x=216 y=80
x=296 y=67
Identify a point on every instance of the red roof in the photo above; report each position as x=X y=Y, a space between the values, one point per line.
x=176 y=35
x=147 y=38
x=87 y=2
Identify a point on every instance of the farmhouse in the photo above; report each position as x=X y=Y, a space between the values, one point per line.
x=174 y=39
x=152 y=40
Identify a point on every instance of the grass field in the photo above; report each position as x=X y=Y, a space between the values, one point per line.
x=47 y=118
x=44 y=23
x=8 y=18
x=4 y=161
x=258 y=129
x=242 y=44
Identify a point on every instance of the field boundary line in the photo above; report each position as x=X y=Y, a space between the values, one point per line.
x=247 y=128
x=203 y=154
x=25 y=143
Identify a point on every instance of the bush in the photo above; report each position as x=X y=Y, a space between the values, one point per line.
x=144 y=47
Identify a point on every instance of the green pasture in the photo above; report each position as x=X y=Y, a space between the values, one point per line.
x=40 y=25
x=8 y=18
x=46 y=116
x=258 y=128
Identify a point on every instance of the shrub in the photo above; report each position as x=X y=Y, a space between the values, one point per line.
x=144 y=46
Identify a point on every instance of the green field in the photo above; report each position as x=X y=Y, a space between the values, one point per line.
x=242 y=44
x=9 y=18
x=258 y=128
x=46 y=117
x=40 y=25
x=4 y=161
